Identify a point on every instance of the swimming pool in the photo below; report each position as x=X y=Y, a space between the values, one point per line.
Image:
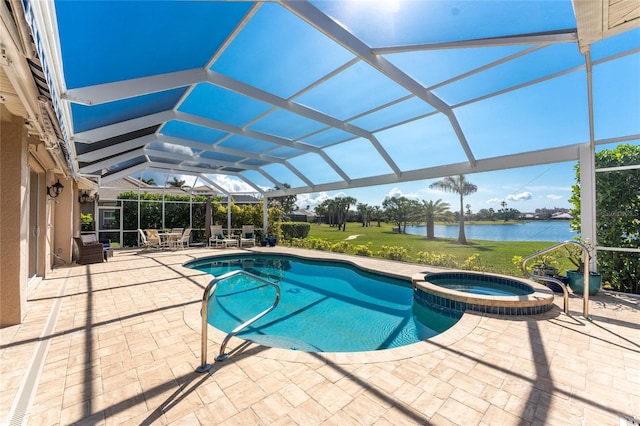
x=325 y=306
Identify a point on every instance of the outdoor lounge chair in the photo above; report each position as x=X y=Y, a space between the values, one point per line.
x=89 y=250
x=248 y=236
x=218 y=239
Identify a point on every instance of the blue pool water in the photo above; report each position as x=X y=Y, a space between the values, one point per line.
x=493 y=289
x=324 y=306
x=479 y=284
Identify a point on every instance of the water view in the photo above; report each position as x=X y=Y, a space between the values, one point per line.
x=525 y=231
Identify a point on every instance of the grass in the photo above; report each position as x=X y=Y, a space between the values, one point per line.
x=491 y=256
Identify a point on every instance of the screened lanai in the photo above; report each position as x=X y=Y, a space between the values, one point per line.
x=293 y=97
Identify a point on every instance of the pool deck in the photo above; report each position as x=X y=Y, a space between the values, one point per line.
x=118 y=343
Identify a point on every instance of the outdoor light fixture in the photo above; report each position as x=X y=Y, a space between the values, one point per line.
x=54 y=190
x=85 y=197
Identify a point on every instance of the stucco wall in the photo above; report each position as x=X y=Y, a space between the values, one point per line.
x=13 y=229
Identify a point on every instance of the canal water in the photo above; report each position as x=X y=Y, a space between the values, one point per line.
x=525 y=231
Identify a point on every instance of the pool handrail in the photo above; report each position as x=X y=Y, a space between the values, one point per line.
x=210 y=291
x=585 y=293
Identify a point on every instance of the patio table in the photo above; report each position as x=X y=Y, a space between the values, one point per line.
x=166 y=238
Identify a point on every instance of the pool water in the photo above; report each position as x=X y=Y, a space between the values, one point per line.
x=480 y=287
x=324 y=306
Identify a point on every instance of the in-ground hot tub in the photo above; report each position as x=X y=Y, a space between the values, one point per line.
x=488 y=293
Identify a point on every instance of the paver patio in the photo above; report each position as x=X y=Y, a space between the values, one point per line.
x=118 y=343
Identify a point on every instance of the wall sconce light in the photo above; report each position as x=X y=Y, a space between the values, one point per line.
x=54 y=190
x=85 y=197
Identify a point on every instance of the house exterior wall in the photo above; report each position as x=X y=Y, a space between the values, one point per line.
x=13 y=223
x=54 y=220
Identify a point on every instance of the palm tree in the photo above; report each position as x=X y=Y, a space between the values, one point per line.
x=343 y=204
x=458 y=185
x=377 y=211
x=149 y=181
x=176 y=183
x=363 y=211
x=433 y=211
x=504 y=210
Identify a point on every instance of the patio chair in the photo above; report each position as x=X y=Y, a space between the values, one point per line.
x=184 y=239
x=248 y=236
x=88 y=250
x=143 y=239
x=153 y=238
x=218 y=239
x=172 y=241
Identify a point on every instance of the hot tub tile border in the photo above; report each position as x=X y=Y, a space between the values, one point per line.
x=453 y=302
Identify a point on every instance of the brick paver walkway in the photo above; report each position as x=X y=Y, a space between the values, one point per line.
x=118 y=343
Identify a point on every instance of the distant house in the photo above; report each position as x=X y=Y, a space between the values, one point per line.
x=110 y=191
x=561 y=216
x=302 y=215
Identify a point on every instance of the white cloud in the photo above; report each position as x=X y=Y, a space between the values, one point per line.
x=555 y=197
x=316 y=198
x=397 y=192
x=523 y=196
x=494 y=201
x=230 y=184
x=176 y=149
x=312 y=200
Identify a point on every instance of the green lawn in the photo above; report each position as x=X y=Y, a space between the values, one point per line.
x=494 y=256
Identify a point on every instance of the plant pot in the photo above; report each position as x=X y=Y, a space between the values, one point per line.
x=556 y=288
x=271 y=242
x=544 y=270
x=576 y=282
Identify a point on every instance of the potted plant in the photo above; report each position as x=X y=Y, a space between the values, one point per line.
x=576 y=276
x=548 y=266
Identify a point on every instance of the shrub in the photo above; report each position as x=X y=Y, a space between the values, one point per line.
x=340 y=247
x=317 y=244
x=292 y=230
x=86 y=222
x=434 y=259
x=473 y=263
x=363 y=250
x=617 y=208
x=393 y=253
x=517 y=261
x=298 y=242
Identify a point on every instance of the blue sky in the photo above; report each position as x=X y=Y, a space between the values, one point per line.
x=534 y=101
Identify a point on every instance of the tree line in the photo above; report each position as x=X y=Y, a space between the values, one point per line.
x=400 y=210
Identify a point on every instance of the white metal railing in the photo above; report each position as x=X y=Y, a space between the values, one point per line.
x=208 y=292
x=585 y=292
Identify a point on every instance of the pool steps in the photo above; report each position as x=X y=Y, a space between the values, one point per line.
x=209 y=292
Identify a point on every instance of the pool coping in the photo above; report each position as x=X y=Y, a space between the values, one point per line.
x=458 y=331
